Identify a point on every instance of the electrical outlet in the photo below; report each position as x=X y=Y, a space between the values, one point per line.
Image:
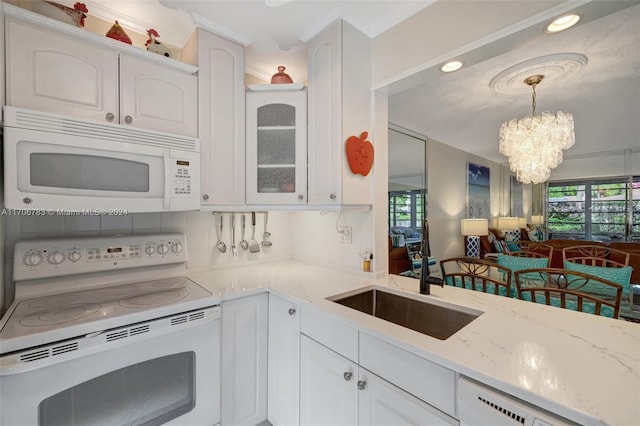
x=345 y=234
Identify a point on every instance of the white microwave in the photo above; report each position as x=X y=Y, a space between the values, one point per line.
x=59 y=163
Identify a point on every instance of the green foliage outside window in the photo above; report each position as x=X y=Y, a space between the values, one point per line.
x=598 y=210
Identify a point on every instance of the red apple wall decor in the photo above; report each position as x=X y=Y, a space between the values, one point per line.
x=360 y=154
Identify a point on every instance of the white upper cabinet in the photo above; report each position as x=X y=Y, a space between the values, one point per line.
x=221 y=126
x=339 y=61
x=65 y=72
x=277 y=148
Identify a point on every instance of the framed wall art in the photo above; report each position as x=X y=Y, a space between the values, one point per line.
x=516 y=197
x=478 y=191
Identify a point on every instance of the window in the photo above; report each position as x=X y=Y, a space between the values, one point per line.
x=601 y=210
x=406 y=208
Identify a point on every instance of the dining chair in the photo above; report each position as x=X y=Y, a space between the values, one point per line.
x=595 y=255
x=573 y=290
x=477 y=274
x=528 y=249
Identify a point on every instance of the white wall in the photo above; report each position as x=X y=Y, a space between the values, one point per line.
x=603 y=164
x=447 y=183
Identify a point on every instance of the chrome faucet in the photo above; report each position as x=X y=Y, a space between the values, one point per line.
x=425 y=280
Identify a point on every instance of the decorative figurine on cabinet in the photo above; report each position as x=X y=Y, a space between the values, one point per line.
x=281 y=77
x=155 y=46
x=77 y=13
x=117 y=33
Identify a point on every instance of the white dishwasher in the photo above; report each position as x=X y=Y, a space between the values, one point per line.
x=482 y=405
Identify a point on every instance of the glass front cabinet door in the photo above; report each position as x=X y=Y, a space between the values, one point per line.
x=277 y=147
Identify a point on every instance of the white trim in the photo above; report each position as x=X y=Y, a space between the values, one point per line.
x=80 y=34
x=221 y=30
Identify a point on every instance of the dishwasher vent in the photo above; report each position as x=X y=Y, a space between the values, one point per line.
x=518 y=418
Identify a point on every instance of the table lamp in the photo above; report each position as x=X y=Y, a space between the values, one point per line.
x=510 y=225
x=472 y=229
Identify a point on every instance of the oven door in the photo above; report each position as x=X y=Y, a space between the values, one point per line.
x=50 y=171
x=124 y=376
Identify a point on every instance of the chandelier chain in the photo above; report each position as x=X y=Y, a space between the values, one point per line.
x=533 y=100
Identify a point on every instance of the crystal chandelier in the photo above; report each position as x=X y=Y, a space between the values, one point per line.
x=534 y=144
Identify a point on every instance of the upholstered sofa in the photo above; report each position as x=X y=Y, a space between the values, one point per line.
x=398 y=259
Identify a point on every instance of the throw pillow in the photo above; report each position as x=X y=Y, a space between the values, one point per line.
x=497 y=245
x=511 y=247
x=536 y=235
x=516 y=263
x=588 y=307
x=620 y=276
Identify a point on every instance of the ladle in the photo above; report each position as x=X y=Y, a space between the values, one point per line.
x=222 y=247
x=244 y=244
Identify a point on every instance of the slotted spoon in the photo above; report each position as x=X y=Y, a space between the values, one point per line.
x=254 y=247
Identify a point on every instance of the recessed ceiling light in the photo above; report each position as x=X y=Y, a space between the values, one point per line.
x=562 y=23
x=451 y=66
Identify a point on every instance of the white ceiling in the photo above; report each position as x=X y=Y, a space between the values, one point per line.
x=461 y=110
x=458 y=109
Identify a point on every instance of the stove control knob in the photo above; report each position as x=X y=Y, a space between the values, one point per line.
x=32 y=259
x=150 y=250
x=177 y=247
x=74 y=256
x=55 y=258
x=163 y=248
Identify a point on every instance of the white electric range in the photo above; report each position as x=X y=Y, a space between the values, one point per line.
x=107 y=330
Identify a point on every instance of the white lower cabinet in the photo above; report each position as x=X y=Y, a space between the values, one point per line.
x=382 y=404
x=336 y=391
x=244 y=360
x=283 y=394
x=328 y=392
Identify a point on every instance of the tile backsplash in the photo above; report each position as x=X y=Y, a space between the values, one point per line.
x=309 y=235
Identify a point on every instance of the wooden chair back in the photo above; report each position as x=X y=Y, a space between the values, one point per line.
x=477 y=274
x=574 y=290
x=595 y=256
x=528 y=249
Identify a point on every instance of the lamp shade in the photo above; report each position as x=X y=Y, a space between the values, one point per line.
x=522 y=222
x=474 y=227
x=506 y=223
x=537 y=219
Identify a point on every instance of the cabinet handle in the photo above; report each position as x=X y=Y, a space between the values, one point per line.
x=347 y=376
x=300 y=197
x=110 y=116
x=205 y=196
x=128 y=119
x=292 y=311
x=362 y=385
x=332 y=196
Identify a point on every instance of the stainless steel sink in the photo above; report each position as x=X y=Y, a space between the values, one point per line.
x=435 y=319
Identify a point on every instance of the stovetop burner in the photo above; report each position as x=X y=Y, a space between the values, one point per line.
x=156 y=298
x=59 y=315
x=68 y=309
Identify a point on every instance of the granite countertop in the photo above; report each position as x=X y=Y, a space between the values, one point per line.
x=579 y=366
